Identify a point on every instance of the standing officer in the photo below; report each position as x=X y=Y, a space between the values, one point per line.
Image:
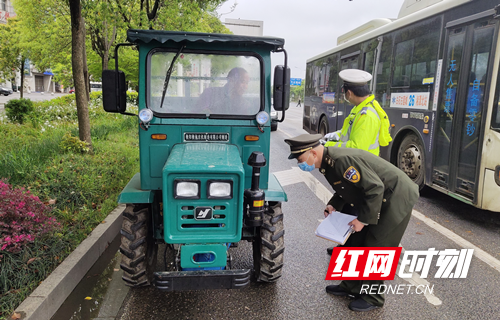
x=367 y=126
x=382 y=194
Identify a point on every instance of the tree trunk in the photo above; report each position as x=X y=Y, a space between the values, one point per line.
x=105 y=60
x=22 y=77
x=78 y=55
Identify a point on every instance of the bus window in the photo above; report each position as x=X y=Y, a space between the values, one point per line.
x=383 y=71
x=309 y=89
x=495 y=120
x=333 y=63
x=402 y=64
x=369 y=49
x=415 y=60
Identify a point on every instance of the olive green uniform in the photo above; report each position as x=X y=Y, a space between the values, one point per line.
x=383 y=196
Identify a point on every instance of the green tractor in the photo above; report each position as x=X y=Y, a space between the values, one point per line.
x=204 y=138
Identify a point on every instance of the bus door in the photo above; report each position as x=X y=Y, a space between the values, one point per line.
x=349 y=61
x=467 y=71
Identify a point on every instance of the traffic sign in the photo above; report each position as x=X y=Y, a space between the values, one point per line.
x=295 y=81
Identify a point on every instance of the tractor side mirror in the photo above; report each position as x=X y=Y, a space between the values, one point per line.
x=114 y=91
x=281 y=88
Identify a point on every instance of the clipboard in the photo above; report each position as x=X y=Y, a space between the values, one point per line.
x=335 y=227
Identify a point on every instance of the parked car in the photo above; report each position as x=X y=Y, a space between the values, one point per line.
x=274 y=120
x=5 y=91
x=71 y=90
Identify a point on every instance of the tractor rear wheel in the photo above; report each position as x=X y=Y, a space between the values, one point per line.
x=269 y=247
x=138 y=247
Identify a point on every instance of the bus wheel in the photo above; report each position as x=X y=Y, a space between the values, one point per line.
x=411 y=159
x=138 y=247
x=268 y=249
x=323 y=126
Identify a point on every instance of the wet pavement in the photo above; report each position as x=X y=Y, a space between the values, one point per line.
x=99 y=288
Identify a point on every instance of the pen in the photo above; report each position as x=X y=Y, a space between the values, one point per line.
x=349 y=230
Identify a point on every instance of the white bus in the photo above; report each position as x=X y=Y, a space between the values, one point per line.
x=435 y=71
x=95 y=86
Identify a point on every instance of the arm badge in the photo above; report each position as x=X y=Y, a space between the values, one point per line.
x=352 y=174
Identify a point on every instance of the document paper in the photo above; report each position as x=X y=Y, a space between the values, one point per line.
x=335 y=227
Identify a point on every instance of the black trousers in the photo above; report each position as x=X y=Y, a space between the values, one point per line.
x=364 y=238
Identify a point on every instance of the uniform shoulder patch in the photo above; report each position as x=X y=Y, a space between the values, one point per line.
x=351 y=174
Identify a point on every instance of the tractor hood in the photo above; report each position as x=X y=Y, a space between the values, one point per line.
x=204 y=157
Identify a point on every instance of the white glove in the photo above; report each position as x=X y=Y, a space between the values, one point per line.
x=332 y=136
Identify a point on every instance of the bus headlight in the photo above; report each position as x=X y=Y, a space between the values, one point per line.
x=186 y=189
x=219 y=189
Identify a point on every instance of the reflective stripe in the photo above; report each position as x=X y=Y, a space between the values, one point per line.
x=371 y=109
x=375 y=144
x=347 y=136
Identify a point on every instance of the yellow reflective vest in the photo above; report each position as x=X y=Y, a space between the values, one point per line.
x=361 y=128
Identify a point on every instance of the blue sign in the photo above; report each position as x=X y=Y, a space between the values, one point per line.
x=295 y=81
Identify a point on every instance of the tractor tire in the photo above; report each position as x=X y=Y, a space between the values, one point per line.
x=274 y=125
x=138 y=248
x=268 y=249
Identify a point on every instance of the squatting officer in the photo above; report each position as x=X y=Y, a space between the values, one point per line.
x=382 y=194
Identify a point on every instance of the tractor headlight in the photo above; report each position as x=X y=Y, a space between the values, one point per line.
x=262 y=118
x=220 y=189
x=187 y=189
x=146 y=115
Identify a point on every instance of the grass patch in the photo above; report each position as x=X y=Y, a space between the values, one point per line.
x=81 y=188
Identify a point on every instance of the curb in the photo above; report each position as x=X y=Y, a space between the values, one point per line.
x=44 y=302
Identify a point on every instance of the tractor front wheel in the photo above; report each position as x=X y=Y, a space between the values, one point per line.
x=138 y=248
x=269 y=247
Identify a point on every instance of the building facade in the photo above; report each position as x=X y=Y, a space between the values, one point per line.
x=245 y=27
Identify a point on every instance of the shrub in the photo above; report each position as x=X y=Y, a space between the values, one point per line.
x=18 y=109
x=23 y=217
x=73 y=144
x=133 y=97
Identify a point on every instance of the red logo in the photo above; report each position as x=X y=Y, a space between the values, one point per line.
x=363 y=263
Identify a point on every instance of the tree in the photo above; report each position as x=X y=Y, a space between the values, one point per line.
x=297 y=92
x=45 y=31
x=54 y=30
x=102 y=23
x=185 y=15
x=12 y=55
x=80 y=75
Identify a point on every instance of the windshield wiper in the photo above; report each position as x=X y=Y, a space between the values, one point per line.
x=167 y=77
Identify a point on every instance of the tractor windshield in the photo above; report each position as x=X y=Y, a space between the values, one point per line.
x=207 y=84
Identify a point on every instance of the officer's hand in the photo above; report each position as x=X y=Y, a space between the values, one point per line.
x=356 y=225
x=329 y=209
x=332 y=136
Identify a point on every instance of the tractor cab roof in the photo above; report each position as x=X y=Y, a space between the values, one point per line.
x=163 y=37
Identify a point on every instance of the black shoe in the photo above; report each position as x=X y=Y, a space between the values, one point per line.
x=336 y=290
x=329 y=250
x=361 y=305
